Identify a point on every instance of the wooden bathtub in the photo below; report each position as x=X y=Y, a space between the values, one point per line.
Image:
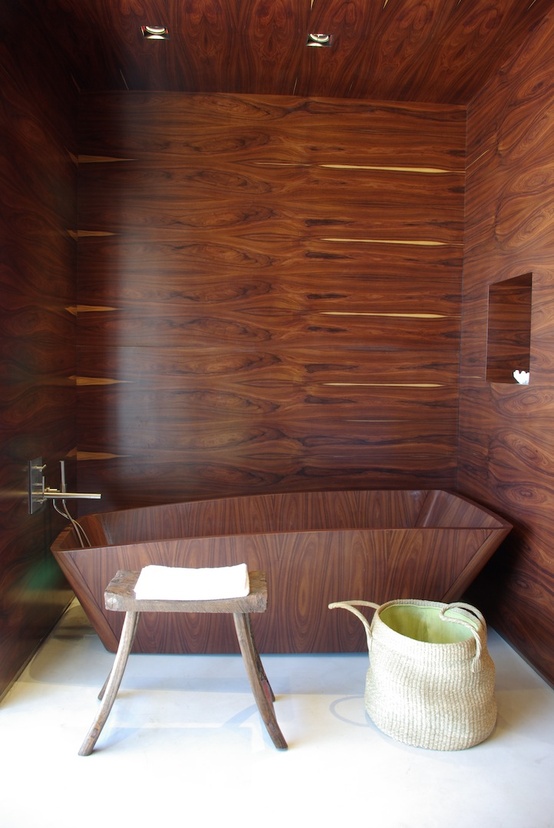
x=316 y=547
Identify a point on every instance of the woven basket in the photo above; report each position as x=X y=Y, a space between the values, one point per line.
x=431 y=679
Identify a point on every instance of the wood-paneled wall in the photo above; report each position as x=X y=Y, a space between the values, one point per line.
x=268 y=294
x=38 y=176
x=507 y=430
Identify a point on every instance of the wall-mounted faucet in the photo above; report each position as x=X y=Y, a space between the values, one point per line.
x=39 y=492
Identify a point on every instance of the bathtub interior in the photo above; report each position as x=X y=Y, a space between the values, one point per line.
x=288 y=512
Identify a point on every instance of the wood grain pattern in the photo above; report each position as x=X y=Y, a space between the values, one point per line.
x=38 y=176
x=506 y=449
x=314 y=547
x=397 y=51
x=267 y=312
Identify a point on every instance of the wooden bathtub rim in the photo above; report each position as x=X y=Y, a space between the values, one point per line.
x=62 y=542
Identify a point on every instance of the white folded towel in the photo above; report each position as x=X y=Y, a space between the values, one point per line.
x=171 y=583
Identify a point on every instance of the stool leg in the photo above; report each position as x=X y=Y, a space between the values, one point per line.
x=114 y=680
x=264 y=681
x=104 y=687
x=261 y=689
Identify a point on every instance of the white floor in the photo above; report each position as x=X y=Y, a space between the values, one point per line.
x=184 y=745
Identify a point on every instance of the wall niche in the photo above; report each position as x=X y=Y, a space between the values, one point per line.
x=509 y=328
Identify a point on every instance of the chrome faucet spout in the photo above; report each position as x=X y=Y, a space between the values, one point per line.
x=55 y=494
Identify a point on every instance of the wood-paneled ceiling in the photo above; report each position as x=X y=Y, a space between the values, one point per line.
x=408 y=50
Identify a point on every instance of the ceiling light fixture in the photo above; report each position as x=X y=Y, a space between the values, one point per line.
x=319 y=40
x=155 y=32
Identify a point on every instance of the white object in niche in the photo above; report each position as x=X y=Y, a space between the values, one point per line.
x=522 y=377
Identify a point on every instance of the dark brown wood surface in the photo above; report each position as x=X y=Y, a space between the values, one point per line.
x=268 y=295
x=38 y=180
x=385 y=49
x=315 y=547
x=506 y=430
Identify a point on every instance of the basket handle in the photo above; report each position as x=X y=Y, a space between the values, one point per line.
x=478 y=631
x=351 y=606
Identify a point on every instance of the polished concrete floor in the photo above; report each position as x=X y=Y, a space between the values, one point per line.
x=184 y=745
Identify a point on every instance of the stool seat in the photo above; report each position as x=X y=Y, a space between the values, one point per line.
x=119 y=596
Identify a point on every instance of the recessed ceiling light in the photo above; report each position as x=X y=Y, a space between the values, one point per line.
x=318 y=39
x=155 y=32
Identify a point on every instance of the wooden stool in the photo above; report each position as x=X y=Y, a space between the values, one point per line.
x=120 y=597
